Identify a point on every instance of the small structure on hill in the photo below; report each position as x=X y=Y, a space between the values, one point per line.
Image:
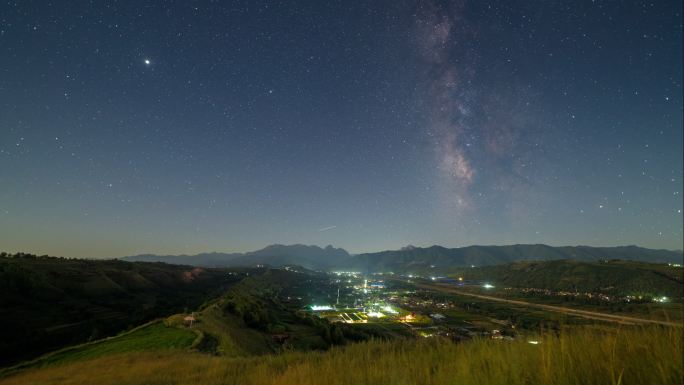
x=190 y=319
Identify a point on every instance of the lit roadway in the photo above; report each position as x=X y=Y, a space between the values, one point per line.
x=558 y=309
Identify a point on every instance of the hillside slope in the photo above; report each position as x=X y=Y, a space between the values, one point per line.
x=46 y=302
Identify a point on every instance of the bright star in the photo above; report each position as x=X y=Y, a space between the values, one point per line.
x=147 y=62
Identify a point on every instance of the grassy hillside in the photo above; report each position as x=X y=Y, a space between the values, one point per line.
x=617 y=356
x=47 y=303
x=610 y=277
x=154 y=336
x=245 y=319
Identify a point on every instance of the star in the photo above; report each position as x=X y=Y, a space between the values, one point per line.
x=147 y=62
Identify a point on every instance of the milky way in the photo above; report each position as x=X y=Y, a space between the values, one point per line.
x=448 y=81
x=146 y=126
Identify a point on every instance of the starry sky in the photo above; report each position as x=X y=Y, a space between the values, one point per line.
x=175 y=127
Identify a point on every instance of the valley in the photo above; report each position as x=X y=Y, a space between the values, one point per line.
x=238 y=313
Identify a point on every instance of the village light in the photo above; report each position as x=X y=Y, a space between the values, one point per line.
x=389 y=309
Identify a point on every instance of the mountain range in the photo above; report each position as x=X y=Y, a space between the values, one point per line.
x=410 y=258
x=311 y=257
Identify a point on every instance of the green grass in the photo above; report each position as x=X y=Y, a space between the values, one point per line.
x=629 y=356
x=233 y=339
x=154 y=337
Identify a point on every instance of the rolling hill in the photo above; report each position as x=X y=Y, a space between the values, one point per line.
x=616 y=277
x=48 y=302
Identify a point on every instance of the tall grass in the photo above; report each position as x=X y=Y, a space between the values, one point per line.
x=645 y=355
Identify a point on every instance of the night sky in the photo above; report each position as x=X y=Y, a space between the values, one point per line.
x=194 y=126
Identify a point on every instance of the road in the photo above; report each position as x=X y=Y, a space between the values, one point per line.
x=558 y=309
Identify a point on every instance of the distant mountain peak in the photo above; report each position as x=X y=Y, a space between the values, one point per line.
x=297 y=246
x=411 y=257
